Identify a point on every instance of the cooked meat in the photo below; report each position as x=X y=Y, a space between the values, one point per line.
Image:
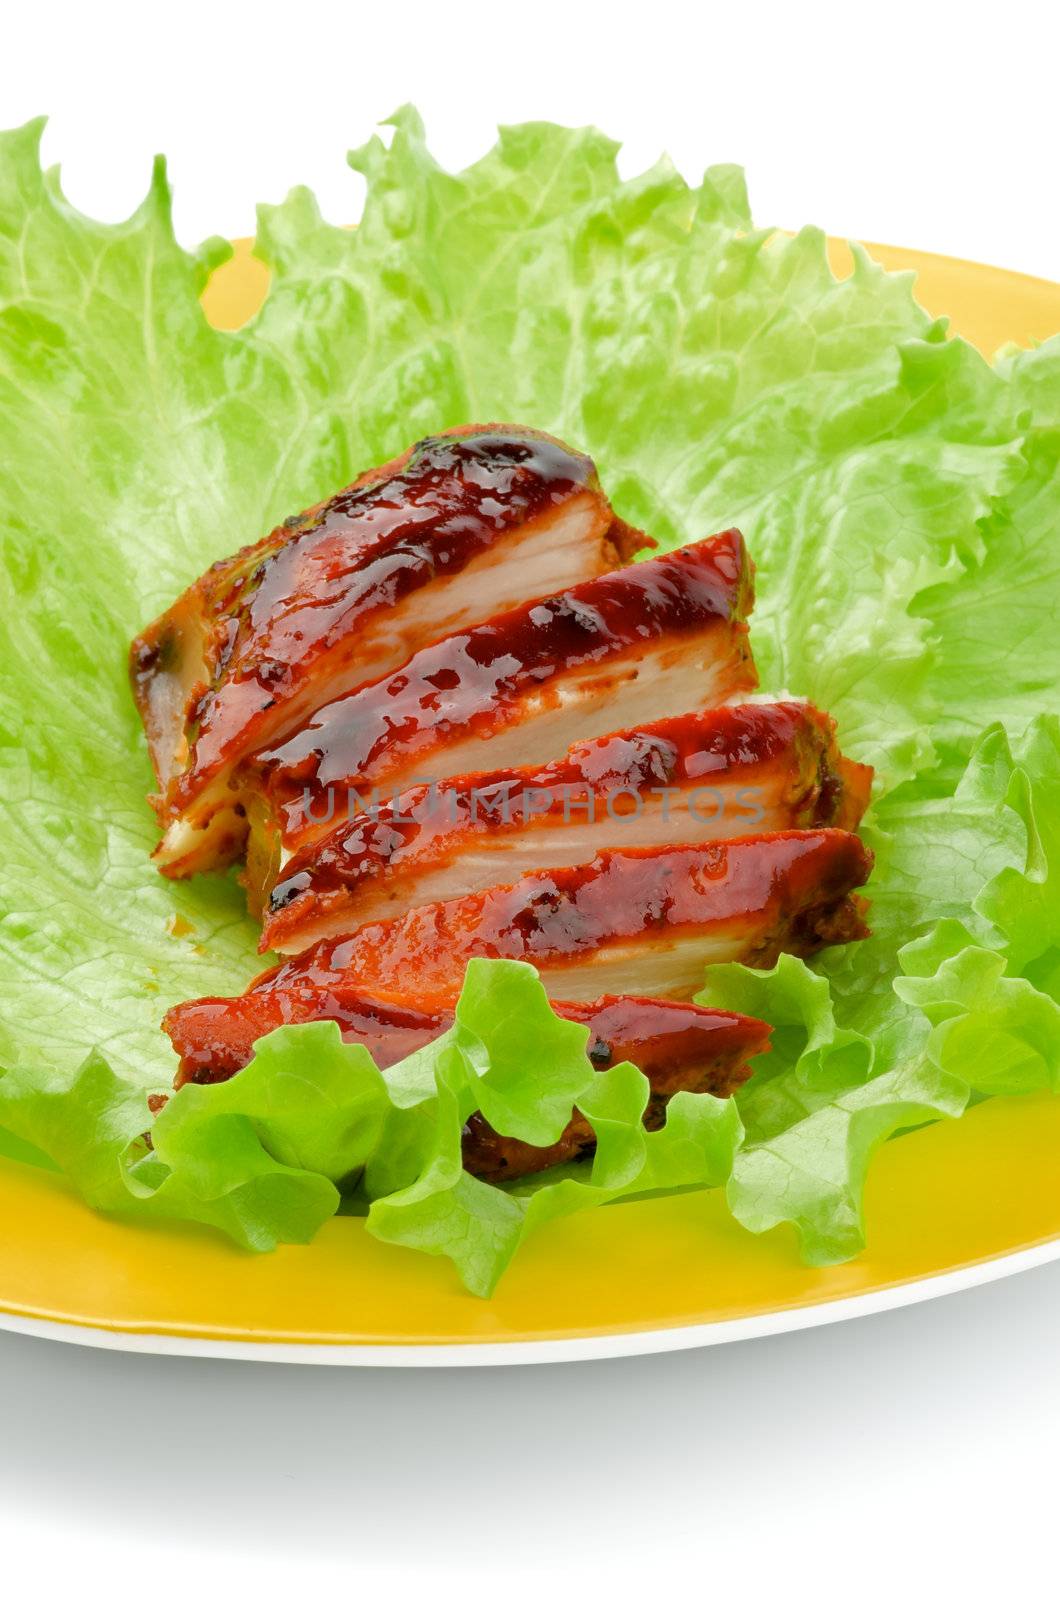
x=676 y=1046
x=643 y=922
x=215 y=1037
x=755 y=768
x=522 y=686
x=459 y=527
x=378 y=703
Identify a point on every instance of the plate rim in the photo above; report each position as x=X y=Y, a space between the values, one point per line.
x=543 y=1352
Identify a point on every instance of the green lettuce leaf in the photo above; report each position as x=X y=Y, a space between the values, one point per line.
x=1001 y=1034
x=900 y=497
x=267 y=1156
x=512 y=1059
x=927 y=1015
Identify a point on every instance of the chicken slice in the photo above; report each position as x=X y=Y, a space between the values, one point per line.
x=520 y=688
x=761 y=767
x=215 y=1037
x=641 y=922
x=677 y=1047
x=457 y=528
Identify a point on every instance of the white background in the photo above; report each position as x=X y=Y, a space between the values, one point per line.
x=916 y=1450
x=918 y=124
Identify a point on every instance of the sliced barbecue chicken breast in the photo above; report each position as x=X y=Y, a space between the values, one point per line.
x=517 y=689
x=459 y=527
x=761 y=767
x=641 y=922
x=677 y=1047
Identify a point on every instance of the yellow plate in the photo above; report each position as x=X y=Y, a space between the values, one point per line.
x=954 y=1204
